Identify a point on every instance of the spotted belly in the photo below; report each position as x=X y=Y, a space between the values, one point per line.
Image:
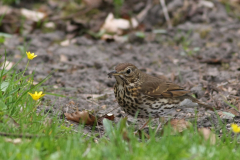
x=144 y=106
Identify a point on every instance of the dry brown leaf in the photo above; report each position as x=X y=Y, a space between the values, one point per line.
x=208 y=135
x=81 y=117
x=179 y=125
x=108 y=116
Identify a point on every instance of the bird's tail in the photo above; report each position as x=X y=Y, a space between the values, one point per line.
x=201 y=104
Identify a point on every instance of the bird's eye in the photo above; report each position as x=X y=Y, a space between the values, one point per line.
x=128 y=71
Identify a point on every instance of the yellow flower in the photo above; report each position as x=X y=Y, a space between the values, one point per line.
x=235 y=128
x=36 y=95
x=31 y=55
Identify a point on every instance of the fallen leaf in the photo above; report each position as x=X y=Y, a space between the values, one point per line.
x=32 y=15
x=117 y=26
x=108 y=116
x=208 y=135
x=81 y=117
x=179 y=125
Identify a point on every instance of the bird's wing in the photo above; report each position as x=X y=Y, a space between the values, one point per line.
x=156 y=87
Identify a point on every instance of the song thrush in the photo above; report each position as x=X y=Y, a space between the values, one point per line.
x=148 y=96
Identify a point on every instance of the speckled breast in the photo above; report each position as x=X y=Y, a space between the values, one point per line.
x=142 y=105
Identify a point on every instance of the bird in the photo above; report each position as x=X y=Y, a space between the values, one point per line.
x=146 y=96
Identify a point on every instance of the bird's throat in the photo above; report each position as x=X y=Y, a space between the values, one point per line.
x=119 y=79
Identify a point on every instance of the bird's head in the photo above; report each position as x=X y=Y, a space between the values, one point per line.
x=125 y=72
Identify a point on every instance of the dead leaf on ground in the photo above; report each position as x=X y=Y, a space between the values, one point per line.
x=118 y=25
x=32 y=15
x=81 y=117
x=208 y=135
x=108 y=116
x=179 y=125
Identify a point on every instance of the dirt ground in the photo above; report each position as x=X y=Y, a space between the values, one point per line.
x=201 y=53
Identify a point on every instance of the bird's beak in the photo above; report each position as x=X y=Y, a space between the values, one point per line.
x=113 y=73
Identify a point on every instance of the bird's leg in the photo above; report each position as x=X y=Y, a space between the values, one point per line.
x=159 y=126
x=161 y=121
x=149 y=120
x=137 y=131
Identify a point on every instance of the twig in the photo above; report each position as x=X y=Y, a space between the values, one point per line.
x=21 y=135
x=140 y=17
x=165 y=12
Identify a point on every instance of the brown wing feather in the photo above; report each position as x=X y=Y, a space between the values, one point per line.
x=158 y=87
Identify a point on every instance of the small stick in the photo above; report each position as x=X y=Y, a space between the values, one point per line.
x=165 y=12
x=21 y=135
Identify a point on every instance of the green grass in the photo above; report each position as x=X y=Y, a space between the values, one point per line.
x=57 y=140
